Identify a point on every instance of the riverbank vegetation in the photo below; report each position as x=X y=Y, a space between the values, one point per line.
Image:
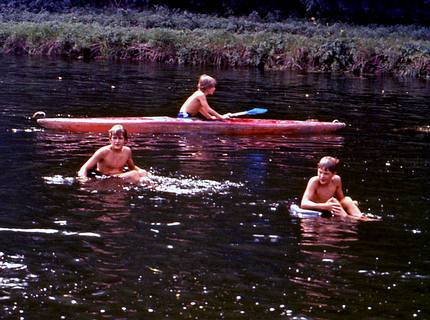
x=179 y=37
x=387 y=12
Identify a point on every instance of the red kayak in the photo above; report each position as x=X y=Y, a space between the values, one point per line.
x=234 y=126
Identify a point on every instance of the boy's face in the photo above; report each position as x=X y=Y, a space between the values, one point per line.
x=324 y=175
x=117 y=141
x=210 y=91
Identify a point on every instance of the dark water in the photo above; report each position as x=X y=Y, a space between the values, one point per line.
x=212 y=239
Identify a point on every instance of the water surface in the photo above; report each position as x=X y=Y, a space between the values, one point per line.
x=212 y=238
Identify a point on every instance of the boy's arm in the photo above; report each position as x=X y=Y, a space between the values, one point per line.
x=130 y=162
x=339 y=192
x=131 y=165
x=206 y=110
x=91 y=162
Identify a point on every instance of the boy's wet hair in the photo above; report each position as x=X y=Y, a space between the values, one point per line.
x=206 y=82
x=118 y=130
x=329 y=163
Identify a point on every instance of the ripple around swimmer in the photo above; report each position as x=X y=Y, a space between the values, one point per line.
x=190 y=185
x=180 y=185
x=59 y=179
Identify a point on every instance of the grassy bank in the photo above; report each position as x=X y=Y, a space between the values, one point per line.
x=179 y=37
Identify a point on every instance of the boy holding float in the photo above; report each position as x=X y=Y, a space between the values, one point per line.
x=324 y=192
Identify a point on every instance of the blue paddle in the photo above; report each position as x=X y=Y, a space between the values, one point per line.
x=249 y=112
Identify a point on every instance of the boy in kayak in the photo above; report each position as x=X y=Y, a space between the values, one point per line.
x=197 y=102
x=324 y=192
x=112 y=159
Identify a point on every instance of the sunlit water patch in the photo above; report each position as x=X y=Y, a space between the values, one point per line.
x=26 y=130
x=15 y=274
x=50 y=231
x=180 y=185
x=191 y=185
x=59 y=180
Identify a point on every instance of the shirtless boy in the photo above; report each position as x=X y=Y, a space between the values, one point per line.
x=324 y=192
x=197 y=102
x=112 y=159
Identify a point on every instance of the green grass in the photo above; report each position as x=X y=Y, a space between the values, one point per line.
x=183 y=38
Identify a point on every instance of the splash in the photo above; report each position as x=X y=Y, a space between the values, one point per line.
x=59 y=180
x=181 y=185
x=190 y=185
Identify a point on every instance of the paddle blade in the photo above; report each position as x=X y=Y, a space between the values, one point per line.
x=249 y=112
x=256 y=111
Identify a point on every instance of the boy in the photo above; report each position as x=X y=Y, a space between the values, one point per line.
x=324 y=192
x=111 y=160
x=197 y=102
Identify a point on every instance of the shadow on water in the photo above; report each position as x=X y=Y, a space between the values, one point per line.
x=211 y=237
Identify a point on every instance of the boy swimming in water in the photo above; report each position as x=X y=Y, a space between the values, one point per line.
x=324 y=192
x=112 y=159
x=197 y=102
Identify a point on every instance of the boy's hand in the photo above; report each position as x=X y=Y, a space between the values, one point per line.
x=82 y=179
x=335 y=206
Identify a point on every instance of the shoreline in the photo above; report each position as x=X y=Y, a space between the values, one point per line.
x=183 y=38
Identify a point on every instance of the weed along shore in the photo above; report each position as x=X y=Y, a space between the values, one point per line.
x=174 y=37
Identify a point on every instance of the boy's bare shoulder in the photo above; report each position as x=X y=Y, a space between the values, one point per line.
x=336 y=180
x=199 y=94
x=313 y=180
x=103 y=150
x=196 y=94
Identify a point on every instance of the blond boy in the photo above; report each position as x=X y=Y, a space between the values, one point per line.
x=111 y=160
x=198 y=103
x=324 y=192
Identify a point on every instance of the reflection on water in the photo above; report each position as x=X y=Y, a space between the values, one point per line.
x=17 y=273
x=50 y=231
x=210 y=236
x=326 y=242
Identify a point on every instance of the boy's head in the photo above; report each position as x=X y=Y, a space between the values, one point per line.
x=118 y=131
x=328 y=163
x=206 y=82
